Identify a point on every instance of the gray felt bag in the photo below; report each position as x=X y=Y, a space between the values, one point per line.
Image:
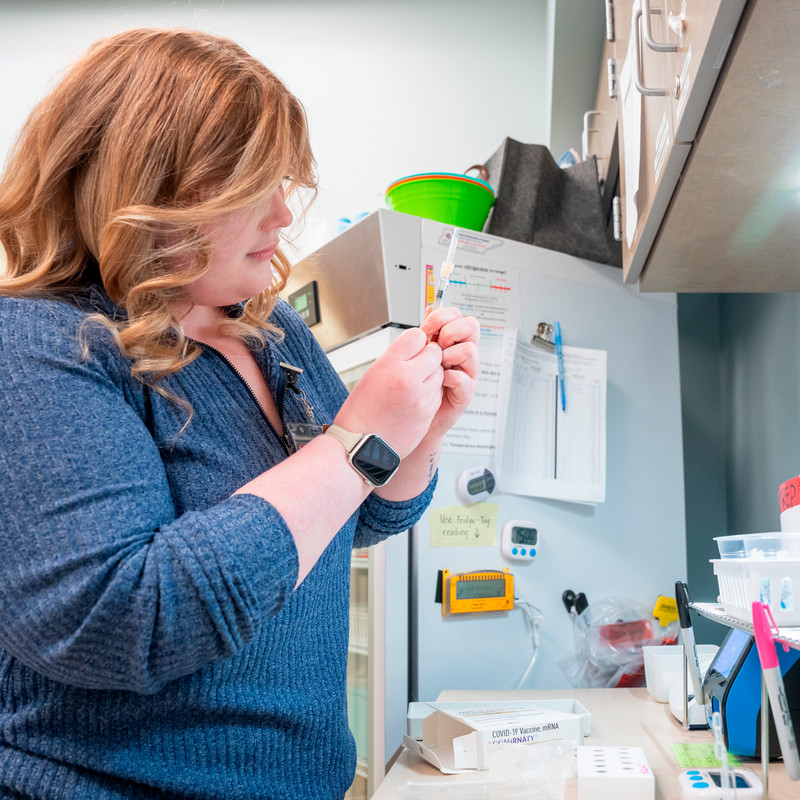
x=540 y=203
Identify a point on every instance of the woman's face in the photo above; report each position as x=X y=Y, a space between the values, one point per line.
x=241 y=247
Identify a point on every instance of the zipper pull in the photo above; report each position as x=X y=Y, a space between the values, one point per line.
x=291 y=374
x=286 y=444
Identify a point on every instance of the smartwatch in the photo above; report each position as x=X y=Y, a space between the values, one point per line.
x=368 y=454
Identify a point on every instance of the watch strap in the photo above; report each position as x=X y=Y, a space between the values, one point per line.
x=347 y=438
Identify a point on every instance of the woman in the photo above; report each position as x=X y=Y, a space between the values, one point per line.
x=175 y=567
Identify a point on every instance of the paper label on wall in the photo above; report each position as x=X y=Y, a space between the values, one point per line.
x=464 y=526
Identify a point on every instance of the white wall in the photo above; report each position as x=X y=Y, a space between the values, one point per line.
x=391 y=88
x=577 y=35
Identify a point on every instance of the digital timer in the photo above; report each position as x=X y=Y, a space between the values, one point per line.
x=475 y=485
x=696 y=784
x=519 y=540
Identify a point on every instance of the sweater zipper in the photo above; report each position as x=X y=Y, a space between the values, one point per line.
x=282 y=439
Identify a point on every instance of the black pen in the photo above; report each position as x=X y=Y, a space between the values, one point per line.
x=682 y=600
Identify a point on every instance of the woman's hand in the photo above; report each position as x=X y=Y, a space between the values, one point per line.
x=458 y=337
x=399 y=395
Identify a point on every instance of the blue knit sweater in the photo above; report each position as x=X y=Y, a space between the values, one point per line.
x=151 y=642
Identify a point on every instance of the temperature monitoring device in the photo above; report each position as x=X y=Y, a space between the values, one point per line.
x=305 y=302
x=706 y=784
x=467 y=592
x=519 y=540
x=475 y=485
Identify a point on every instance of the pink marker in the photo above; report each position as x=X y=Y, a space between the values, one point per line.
x=770 y=668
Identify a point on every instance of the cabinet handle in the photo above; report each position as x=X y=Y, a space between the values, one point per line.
x=659 y=47
x=587 y=130
x=637 y=73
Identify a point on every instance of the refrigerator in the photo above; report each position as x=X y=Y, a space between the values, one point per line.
x=625 y=537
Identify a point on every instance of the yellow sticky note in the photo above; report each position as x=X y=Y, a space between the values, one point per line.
x=464 y=526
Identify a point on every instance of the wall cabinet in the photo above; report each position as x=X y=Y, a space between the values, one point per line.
x=707 y=121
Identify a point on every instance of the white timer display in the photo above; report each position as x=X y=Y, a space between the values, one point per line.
x=519 y=540
x=475 y=485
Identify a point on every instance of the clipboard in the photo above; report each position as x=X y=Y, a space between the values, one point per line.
x=544 y=337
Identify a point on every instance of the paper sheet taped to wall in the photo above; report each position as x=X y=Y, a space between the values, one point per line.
x=544 y=451
x=490 y=293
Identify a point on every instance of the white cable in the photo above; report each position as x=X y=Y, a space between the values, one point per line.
x=534 y=617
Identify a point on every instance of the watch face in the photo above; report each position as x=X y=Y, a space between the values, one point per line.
x=375 y=460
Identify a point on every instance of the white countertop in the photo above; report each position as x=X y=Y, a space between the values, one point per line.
x=620 y=717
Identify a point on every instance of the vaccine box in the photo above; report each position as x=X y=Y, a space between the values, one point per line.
x=457 y=737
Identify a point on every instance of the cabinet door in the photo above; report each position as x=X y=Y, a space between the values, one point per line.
x=733 y=224
x=669 y=54
x=700 y=31
x=650 y=158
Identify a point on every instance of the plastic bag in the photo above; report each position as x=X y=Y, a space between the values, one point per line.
x=521 y=772
x=546 y=765
x=608 y=640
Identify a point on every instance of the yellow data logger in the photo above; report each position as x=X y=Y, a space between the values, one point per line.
x=466 y=592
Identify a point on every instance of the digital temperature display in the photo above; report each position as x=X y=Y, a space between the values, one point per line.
x=477 y=591
x=467 y=590
x=519 y=540
x=527 y=536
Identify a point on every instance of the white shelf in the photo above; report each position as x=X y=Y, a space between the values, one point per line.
x=715 y=611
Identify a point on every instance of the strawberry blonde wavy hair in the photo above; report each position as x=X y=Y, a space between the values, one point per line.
x=151 y=135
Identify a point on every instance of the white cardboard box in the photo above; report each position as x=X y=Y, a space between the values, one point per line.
x=615 y=773
x=455 y=736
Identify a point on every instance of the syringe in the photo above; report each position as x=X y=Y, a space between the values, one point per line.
x=447 y=269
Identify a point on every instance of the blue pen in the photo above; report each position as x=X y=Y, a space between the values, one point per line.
x=560 y=355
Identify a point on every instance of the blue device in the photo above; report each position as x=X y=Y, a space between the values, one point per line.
x=733 y=687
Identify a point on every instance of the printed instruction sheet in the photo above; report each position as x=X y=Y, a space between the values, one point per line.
x=490 y=293
x=543 y=450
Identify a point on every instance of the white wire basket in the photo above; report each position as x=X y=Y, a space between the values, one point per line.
x=775 y=582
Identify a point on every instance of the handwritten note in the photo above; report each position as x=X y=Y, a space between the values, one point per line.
x=464 y=526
